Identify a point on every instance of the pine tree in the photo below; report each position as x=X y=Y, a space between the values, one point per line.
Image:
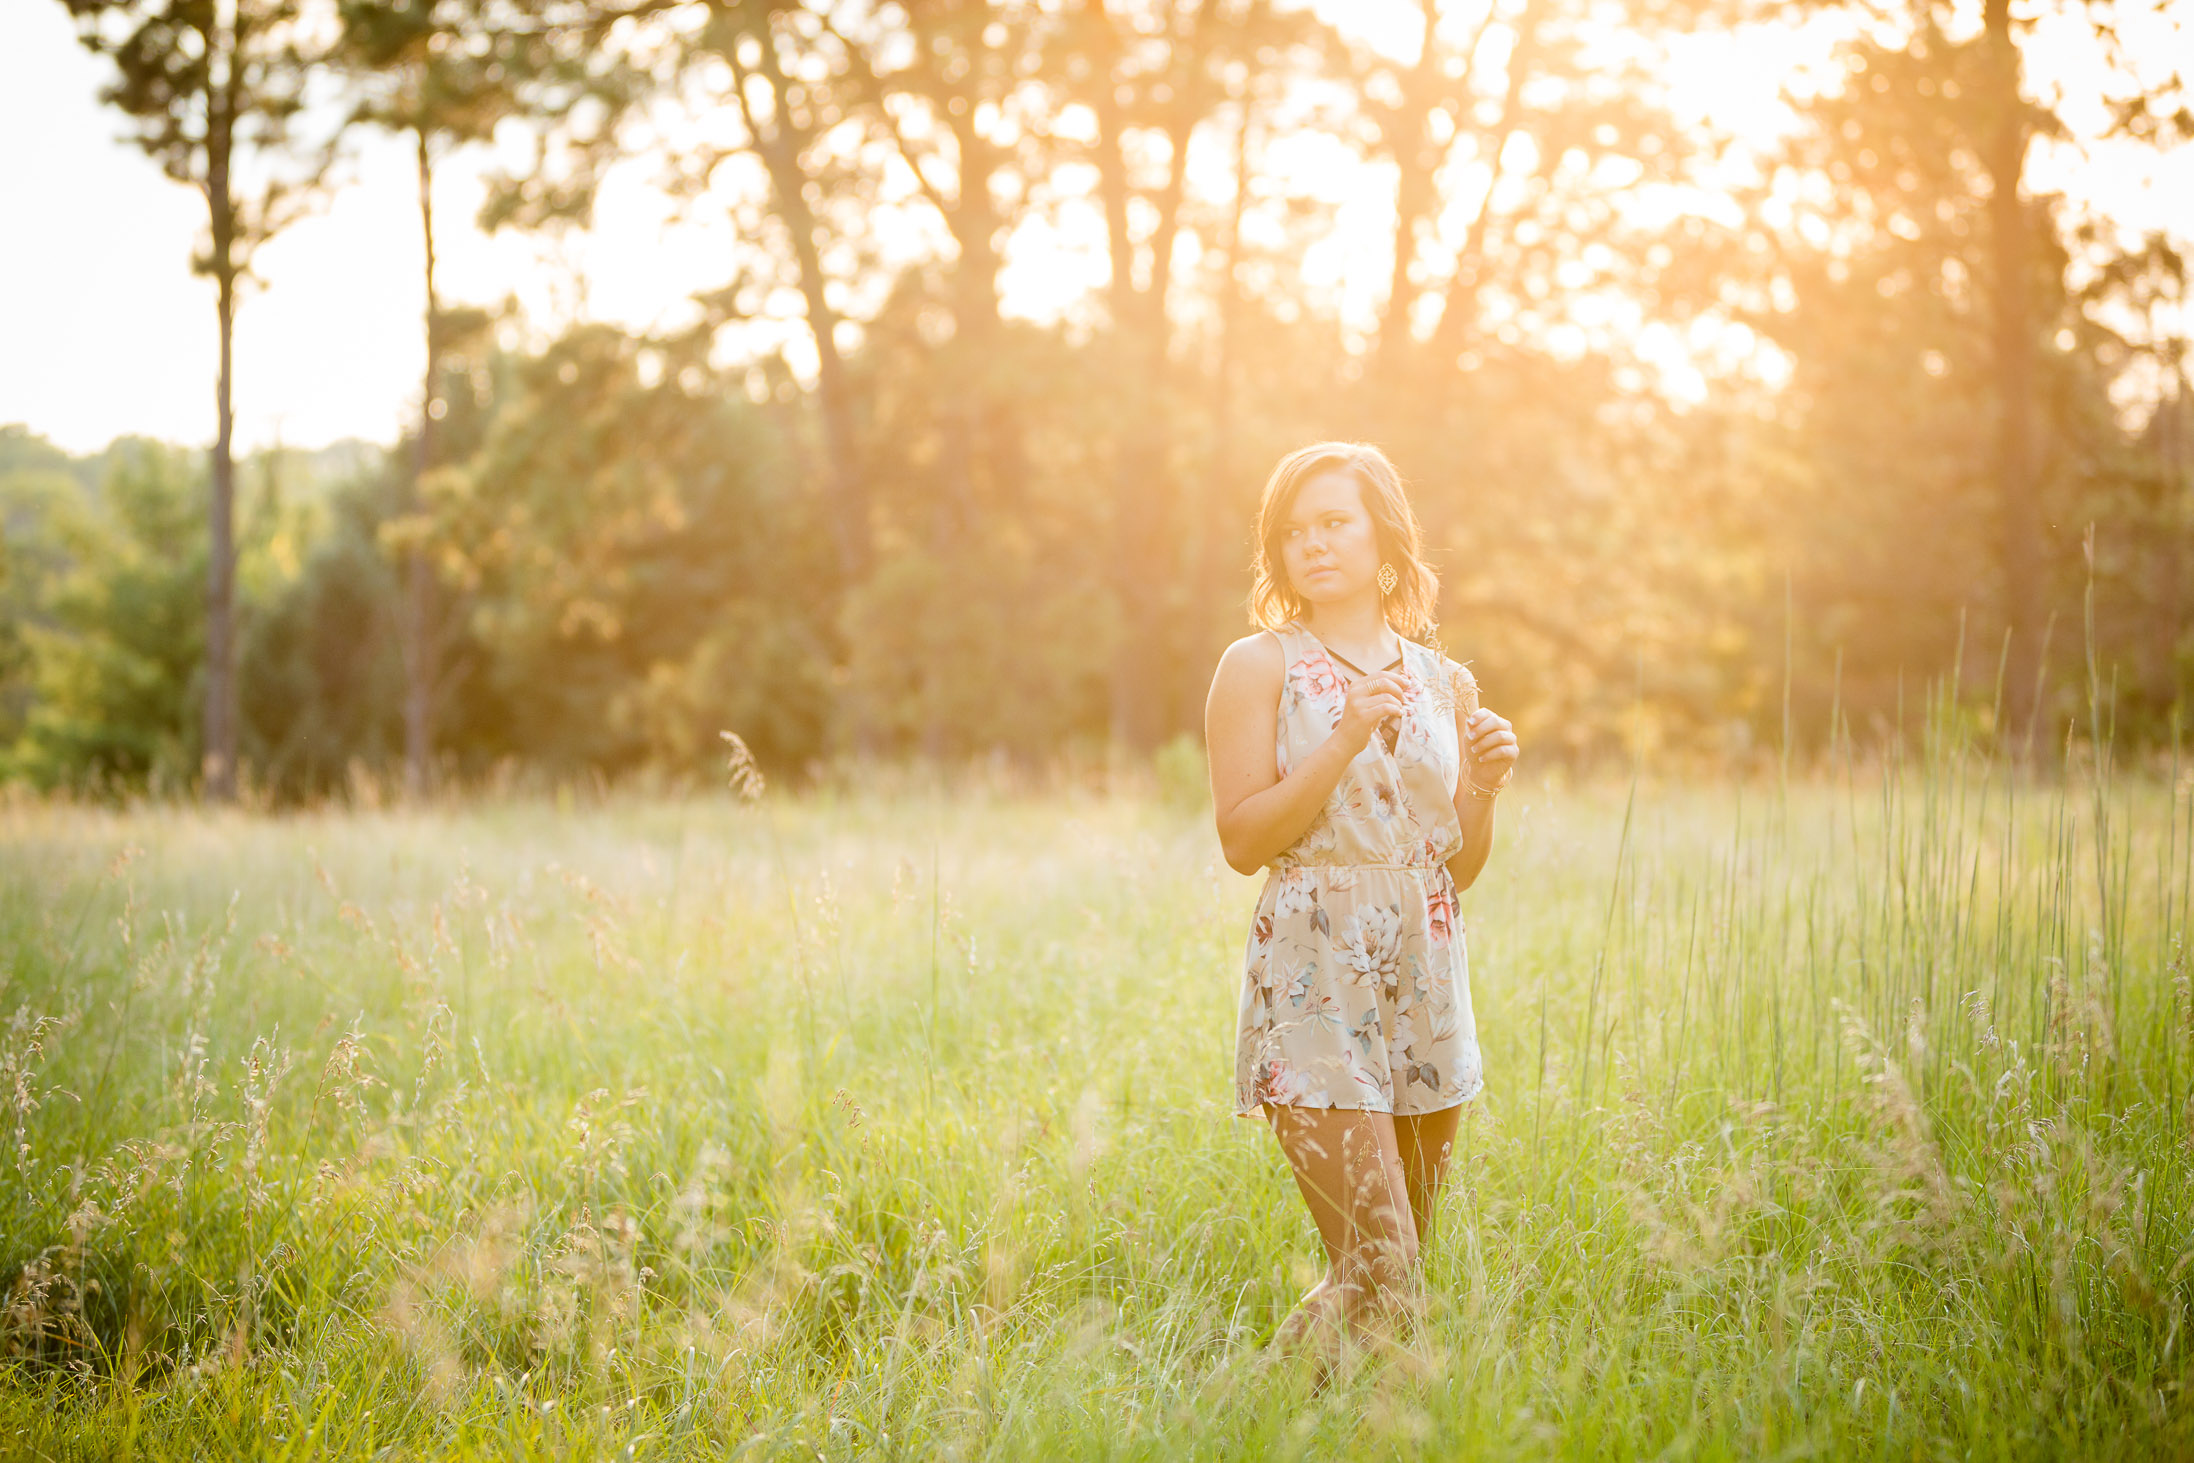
x=213 y=89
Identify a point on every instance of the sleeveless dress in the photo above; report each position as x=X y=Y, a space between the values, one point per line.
x=1356 y=988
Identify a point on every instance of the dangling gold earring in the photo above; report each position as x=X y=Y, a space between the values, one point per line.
x=1388 y=579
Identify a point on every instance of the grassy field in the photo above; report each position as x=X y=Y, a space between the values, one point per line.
x=1843 y=1121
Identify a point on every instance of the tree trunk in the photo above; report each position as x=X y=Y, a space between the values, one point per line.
x=1148 y=560
x=1414 y=164
x=967 y=363
x=1139 y=499
x=2169 y=614
x=2018 y=487
x=841 y=443
x=1216 y=527
x=975 y=225
x=779 y=143
x=779 y=146
x=418 y=635
x=988 y=418
x=1112 y=194
x=1157 y=336
x=218 y=760
x=1460 y=308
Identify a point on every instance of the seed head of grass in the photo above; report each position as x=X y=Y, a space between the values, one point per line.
x=745 y=777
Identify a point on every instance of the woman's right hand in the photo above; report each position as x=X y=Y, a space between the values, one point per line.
x=1371 y=699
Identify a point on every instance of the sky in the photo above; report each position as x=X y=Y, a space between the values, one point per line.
x=104 y=330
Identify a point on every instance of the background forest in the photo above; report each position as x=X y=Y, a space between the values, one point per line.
x=1713 y=436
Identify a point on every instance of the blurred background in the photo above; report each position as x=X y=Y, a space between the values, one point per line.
x=429 y=393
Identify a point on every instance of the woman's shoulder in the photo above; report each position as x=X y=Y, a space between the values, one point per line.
x=1251 y=673
x=1256 y=657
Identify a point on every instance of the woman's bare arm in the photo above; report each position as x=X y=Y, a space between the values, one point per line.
x=1259 y=812
x=1488 y=745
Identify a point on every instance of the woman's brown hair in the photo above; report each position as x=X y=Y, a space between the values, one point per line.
x=1416 y=594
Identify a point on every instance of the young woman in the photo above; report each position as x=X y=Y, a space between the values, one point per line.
x=1356 y=764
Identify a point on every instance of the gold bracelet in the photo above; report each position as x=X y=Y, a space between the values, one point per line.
x=1483 y=792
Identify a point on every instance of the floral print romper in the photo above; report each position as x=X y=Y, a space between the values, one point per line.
x=1357 y=989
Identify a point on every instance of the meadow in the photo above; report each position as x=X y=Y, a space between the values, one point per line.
x=1838 y=1115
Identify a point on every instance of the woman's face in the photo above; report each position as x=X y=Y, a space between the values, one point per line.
x=1328 y=544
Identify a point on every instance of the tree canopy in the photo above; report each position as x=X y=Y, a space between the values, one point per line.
x=1709 y=441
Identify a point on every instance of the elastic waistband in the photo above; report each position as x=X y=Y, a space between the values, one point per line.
x=1351 y=868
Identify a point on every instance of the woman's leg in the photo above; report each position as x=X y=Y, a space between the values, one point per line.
x=1426 y=1143
x=1350 y=1174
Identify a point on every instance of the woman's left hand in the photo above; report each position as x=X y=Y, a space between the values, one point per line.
x=1492 y=749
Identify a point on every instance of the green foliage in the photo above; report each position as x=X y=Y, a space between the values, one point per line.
x=963 y=535
x=1891 y=527
x=321 y=679
x=39 y=504
x=638 y=571
x=1184 y=774
x=116 y=666
x=952 y=656
x=204 y=89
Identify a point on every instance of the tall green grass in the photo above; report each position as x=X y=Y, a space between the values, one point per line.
x=1843 y=1115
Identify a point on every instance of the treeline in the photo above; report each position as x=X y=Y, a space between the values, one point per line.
x=856 y=507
